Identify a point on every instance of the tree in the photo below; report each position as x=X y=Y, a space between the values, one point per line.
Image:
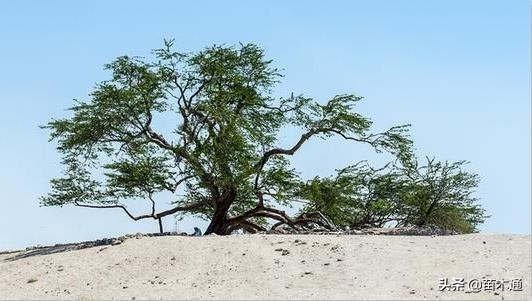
x=441 y=194
x=222 y=152
x=359 y=196
x=404 y=193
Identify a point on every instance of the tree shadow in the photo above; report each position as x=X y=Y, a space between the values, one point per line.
x=59 y=248
x=47 y=250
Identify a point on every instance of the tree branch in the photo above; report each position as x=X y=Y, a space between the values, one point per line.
x=180 y=208
x=279 y=151
x=245 y=224
x=135 y=218
x=154 y=216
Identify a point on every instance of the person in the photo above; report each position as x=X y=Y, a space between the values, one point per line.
x=197 y=232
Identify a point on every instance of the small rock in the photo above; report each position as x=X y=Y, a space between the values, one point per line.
x=31 y=280
x=285 y=252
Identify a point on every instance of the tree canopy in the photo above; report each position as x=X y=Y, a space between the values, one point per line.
x=435 y=193
x=221 y=159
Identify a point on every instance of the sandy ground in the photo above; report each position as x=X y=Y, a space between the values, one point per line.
x=272 y=267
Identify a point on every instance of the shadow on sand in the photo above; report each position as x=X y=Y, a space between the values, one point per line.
x=46 y=251
x=58 y=248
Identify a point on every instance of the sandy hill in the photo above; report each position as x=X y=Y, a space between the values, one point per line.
x=274 y=267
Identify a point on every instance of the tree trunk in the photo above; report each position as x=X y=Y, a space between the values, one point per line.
x=160 y=225
x=218 y=222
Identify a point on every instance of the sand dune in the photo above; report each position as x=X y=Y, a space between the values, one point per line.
x=271 y=267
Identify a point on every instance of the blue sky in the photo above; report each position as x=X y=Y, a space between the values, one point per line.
x=458 y=71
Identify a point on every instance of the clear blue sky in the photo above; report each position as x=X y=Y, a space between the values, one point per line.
x=459 y=71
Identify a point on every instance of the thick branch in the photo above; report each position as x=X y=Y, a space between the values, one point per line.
x=245 y=224
x=178 y=208
x=261 y=211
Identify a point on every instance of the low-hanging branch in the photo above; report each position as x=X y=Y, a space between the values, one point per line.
x=156 y=216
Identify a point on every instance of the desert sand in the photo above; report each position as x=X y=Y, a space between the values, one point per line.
x=271 y=267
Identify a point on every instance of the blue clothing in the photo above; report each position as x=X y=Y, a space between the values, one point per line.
x=197 y=232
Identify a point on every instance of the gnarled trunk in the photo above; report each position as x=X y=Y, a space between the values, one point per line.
x=219 y=220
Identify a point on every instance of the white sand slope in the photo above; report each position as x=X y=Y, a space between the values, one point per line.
x=254 y=267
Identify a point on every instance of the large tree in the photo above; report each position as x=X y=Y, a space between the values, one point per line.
x=220 y=159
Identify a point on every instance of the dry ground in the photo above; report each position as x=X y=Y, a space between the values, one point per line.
x=271 y=267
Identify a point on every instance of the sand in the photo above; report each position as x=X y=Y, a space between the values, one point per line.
x=272 y=267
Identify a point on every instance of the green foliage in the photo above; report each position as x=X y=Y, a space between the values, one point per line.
x=435 y=194
x=441 y=194
x=220 y=159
